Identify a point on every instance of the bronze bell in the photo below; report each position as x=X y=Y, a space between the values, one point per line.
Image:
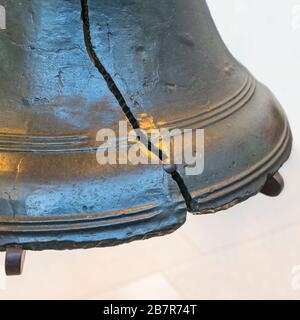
x=70 y=68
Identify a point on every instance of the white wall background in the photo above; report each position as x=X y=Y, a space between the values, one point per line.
x=265 y=36
x=251 y=251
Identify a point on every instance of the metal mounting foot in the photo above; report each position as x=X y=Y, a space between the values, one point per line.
x=273 y=186
x=14 y=261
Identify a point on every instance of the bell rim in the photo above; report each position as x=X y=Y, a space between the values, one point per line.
x=258 y=176
x=151 y=212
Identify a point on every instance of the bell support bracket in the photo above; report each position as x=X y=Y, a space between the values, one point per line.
x=14 y=261
x=274 y=186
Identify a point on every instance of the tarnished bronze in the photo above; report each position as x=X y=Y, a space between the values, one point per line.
x=70 y=68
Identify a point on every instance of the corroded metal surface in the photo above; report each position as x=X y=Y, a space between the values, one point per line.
x=168 y=62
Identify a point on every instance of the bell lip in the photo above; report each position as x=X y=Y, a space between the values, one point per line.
x=248 y=187
x=159 y=224
x=158 y=221
x=53 y=244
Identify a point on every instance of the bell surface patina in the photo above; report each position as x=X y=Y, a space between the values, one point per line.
x=170 y=66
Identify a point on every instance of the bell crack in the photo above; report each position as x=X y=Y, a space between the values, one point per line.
x=112 y=86
x=105 y=74
x=189 y=201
